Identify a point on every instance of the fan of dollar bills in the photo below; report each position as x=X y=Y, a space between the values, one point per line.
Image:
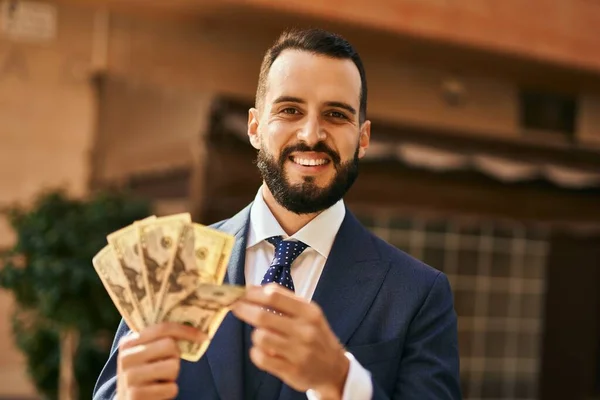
x=169 y=269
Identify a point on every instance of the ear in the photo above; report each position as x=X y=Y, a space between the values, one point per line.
x=253 y=118
x=364 y=139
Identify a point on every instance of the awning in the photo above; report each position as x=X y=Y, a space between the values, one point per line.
x=502 y=169
x=440 y=159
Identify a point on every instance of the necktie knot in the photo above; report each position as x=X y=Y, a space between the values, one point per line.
x=286 y=253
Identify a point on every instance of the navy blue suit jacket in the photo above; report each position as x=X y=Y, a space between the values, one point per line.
x=392 y=312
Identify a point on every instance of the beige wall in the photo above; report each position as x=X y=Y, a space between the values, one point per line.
x=47 y=111
x=219 y=58
x=45 y=134
x=47 y=117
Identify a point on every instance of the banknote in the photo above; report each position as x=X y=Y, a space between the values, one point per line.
x=208 y=253
x=224 y=257
x=169 y=269
x=108 y=269
x=126 y=247
x=194 y=351
x=158 y=242
x=204 y=309
x=182 y=274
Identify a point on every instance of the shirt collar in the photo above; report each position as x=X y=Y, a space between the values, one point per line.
x=319 y=233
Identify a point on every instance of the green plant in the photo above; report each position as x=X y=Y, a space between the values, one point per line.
x=64 y=320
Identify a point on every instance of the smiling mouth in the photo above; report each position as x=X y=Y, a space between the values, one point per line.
x=309 y=162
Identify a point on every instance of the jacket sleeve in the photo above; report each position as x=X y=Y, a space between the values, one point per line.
x=430 y=368
x=106 y=386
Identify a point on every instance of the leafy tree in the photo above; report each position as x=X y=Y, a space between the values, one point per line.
x=64 y=320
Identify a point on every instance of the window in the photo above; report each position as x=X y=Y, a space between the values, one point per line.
x=548 y=112
x=497 y=273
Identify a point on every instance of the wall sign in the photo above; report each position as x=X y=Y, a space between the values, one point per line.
x=28 y=20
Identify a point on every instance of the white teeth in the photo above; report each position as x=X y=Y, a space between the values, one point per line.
x=306 y=162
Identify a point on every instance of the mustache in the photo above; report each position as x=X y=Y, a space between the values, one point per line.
x=320 y=147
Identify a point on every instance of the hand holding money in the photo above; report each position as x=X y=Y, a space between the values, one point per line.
x=148 y=362
x=170 y=270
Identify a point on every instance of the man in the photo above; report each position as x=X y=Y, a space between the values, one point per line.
x=332 y=312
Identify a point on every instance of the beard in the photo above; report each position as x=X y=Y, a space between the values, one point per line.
x=306 y=197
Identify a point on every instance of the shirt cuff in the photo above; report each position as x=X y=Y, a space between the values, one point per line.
x=358 y=386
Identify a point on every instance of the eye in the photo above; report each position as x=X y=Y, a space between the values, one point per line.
x=290 y=111
x=337 y=114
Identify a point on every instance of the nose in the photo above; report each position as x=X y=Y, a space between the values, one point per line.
x=311 y=132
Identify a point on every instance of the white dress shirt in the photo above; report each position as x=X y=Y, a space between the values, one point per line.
x=306 y=270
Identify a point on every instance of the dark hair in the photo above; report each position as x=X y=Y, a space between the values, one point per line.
x=316 y=41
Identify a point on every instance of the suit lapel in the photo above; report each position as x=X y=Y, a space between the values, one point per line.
x=351 y=279
x=225 y=353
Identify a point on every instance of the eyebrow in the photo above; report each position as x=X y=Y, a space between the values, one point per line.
x=337 y=104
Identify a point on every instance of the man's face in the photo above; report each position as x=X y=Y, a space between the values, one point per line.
x=308 y=132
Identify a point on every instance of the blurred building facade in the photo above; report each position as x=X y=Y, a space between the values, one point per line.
x=485 y=160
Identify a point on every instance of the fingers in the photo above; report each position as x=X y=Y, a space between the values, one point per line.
x=276 y=297
x=155 y=343
x=162 y=330
x=149 y=371
x=272 y=343
x=273 y=365
x=260 y=317
x=164 y=370
x=254 y=310
x=146 y=353
x=148 y=362
x=155 y=391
